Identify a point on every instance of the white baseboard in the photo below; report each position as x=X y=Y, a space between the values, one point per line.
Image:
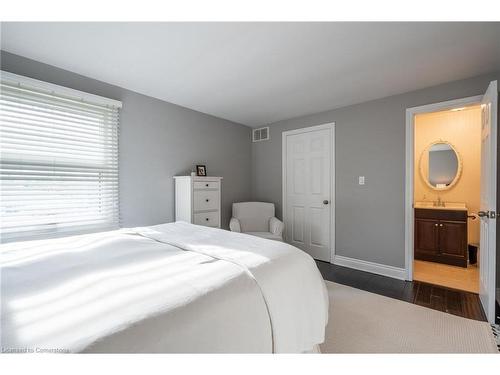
x=363 y=265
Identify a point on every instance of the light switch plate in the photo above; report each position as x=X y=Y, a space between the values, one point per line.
x=361 y=180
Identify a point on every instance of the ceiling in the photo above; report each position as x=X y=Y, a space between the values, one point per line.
x=260 y=73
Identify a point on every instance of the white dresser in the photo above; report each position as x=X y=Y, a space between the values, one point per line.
x=198 y=200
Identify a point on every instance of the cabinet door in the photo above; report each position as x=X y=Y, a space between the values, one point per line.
x=426 y=237
x=453 y=239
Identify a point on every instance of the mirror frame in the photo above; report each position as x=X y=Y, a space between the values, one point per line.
x=459 y=167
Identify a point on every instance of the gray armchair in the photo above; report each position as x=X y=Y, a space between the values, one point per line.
x=257 y=219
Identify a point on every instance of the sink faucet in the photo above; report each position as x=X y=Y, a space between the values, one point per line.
x=439 y=202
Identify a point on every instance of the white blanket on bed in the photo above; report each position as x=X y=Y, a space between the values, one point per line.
x=167 y=288
x=293 y=289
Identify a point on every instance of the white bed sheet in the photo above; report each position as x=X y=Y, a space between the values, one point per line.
x=169 y=288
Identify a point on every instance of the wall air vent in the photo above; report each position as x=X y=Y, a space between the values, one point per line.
x=261 y=134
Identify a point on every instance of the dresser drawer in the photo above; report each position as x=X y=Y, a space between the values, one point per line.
x=208 y=219
x=198 y=200
x=200 y=185
x=205 y=200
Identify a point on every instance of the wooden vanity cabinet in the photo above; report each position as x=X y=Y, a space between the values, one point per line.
x=441 y=236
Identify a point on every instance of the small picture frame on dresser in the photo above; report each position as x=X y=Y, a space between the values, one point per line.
x=201 y=170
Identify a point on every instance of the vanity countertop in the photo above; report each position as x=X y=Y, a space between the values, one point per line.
x=447 y=206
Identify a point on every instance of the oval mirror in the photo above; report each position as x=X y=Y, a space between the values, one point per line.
x=440 y=165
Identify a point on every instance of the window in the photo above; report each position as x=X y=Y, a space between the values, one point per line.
x=58 y=160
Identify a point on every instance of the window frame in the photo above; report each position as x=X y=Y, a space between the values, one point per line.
x=85 y=98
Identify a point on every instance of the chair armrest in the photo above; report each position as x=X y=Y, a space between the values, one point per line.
x=234 y=225
x=276 y=226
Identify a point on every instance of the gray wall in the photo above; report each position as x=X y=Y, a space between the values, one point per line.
x=159 y=140
x=370 y=141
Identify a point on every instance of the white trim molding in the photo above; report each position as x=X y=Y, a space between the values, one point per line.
x=410 y=161
x=364 y=265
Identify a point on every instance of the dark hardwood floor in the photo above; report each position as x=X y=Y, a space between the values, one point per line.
x=435 y=297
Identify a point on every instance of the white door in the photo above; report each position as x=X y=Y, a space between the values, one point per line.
x=308 y=201
x=487 y=253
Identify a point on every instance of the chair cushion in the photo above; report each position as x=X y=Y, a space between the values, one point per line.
x=253 y=216
x=266 y=235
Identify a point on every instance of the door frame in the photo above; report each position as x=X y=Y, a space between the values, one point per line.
x=409 y=171
x=331 y=126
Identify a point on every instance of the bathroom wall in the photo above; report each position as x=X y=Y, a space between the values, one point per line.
x=463 y=130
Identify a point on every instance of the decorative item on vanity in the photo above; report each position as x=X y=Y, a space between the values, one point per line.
x=256 y=219
x=198 y=200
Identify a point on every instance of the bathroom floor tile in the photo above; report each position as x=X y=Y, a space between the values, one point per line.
x=449 y=276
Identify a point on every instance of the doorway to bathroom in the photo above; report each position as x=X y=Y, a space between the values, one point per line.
x=446 y=197
x=450 y=209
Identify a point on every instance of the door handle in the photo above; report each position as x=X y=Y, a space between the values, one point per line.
x=485 y=214
x=488 y=214
x=325 y=201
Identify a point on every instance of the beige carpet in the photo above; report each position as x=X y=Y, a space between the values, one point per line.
x=363 y=322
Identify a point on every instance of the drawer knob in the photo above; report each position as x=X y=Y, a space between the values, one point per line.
x=207 y=199
x=206 y=219
x=435 y=225
x=206 y=185
x=440 y=225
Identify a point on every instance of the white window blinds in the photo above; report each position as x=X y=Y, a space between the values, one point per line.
x=58 y=160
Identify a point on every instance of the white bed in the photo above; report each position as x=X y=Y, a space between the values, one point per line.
x=167 y=288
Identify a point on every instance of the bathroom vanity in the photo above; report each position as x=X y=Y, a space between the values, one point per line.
x=440 y=228
x=441 y=234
